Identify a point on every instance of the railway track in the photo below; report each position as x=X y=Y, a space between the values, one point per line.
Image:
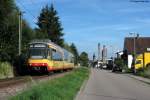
x=9 y=87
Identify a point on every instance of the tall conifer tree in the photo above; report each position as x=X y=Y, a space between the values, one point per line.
x=50 y=26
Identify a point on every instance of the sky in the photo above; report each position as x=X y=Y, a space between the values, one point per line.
x=89 y=22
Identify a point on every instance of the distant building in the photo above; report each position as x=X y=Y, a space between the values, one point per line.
x=104 y=53
x=142 y=44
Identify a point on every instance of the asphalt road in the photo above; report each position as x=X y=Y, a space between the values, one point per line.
x=105 y=85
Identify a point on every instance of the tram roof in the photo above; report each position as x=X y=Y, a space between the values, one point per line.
x=49 y=42
x=45 y=41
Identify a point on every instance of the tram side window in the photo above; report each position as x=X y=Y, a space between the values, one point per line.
x=66 y=56
x=49 y=54
x=72 y=59
x=56 y=55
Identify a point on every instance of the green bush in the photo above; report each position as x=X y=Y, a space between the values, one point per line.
x=128 y=70
x=119 y=62
x=122 y=65
x=6 y=70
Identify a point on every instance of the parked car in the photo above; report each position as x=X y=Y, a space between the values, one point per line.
x=110 y=64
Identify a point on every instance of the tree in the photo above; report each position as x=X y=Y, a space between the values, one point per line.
x=75 y=52
x=84 y=59
x=8 y=29
x=66 y=46
x=124 y=56
x=6 y=9
x=50 y=26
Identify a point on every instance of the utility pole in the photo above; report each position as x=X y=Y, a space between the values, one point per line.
x=19 y=42
x=93 y=57
x=93 y=63
x=98 y=51
x=135 y=35
x=20 y=32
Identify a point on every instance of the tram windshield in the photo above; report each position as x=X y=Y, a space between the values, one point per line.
x=37 y=53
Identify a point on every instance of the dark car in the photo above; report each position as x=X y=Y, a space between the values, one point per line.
x=110 y=65
x=116 y=68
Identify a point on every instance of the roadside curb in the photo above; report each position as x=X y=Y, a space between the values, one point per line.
x=78 y=95
x=142 y=79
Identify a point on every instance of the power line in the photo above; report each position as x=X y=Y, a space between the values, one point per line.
x=52 y=1
x=27 y=10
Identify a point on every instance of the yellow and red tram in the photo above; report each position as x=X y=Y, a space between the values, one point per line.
x=45 y=56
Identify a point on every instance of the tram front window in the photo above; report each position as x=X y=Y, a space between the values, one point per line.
x=37 y=53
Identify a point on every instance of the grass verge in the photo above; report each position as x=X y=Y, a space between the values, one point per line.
x=144 y=73
x=64 y=88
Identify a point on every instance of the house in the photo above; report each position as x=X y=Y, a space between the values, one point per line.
x=142 y=44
